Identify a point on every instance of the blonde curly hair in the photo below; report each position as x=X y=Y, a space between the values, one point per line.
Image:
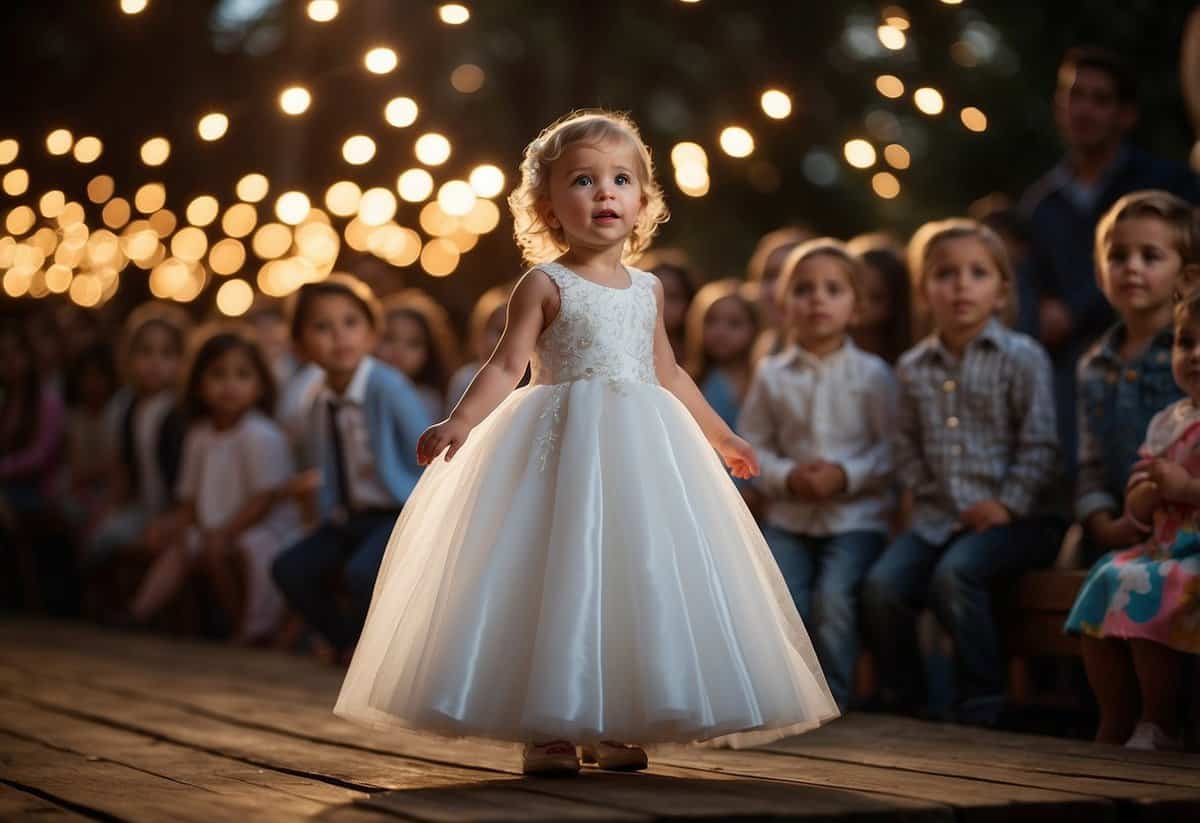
x=540 y=242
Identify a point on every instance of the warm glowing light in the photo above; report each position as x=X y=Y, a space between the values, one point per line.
x=463 y=240
x=484 y=217
x=295 y=100
x=487 y=180
x=213 y=126
x=20 y=220
x=51 y=203
x=155 y=151
x=168 y=278
x=357 y=234
x=234 y=298
x=737 y=142
x=9 y=149
x=929 y=100
x=150 y=198
x=467 y=78
x=272 y=240
x=189 y=244
x=358 y=149
x=87 y=149
x=72 y=215
x=318 y=242
x=59 y=141
x=689 y=154
x=381 y=60
x=897 y=156
x=456 y=197
x=322 y=11
x=342 y=198
x=885 y=185
x=292 y=207
x=415 y=185
x=163 y=222
x=436 y=222
x=133 y=6
x=227 y=256
x=116 y=213
x=432 y=149
x=58 y=278
x=400 y=112
x=140 y=241
x=439 y=257
x=692 y=179
x=103 y=248
x=399 y=246
x=17 y=280
x=100 y=188
x=16 y=182
x=974 y=119
x=203 y=210
x=776 y=104
x=889 y=85
x=86 y=291
x=454 y=14
x=891 y=37
x=253 y=187
x=239 y=220
x=859 y=153
x=377 y=206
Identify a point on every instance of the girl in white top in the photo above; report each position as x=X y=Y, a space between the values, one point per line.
x=574 y=565
x=819 y=413
x=233 y=517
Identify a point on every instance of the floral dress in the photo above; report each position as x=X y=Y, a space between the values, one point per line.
x=1152 y=590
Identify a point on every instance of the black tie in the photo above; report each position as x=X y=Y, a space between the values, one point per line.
x=339 y=458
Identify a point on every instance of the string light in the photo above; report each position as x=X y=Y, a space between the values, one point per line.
x=440 y=257
x=454 y=14
x=776 y=104
x=9 y=149
x=51 y=203
x=889 y=85
x=859 y=153
x=381 y=60
x=342 y=198
x=377 y=206
x=252 y=188
x=928 y=100
x=885 y=185
x=467 y=78
x=155 y=151
x=295 y=100
x=133 y=6
x=212 y=126
x=227 y=256
x=692 y=179
x=897 y=156
x=456 y=197
x=150 y=198
x=292 y=207
x=59 y=141
x=87 y=149
x=202 y=210
x=483 y=217
x=736 y=142
x=272 y=240
x=487 y=180
x=891 y=37
x=234 y=298
x=432 y=149
x=322 y=11
x=400 y=112
x=688 y=153
x=239 y=220
x=116 y=213
x=415 y=185
x=974 y=119
x=358 y=150
x=16 y=181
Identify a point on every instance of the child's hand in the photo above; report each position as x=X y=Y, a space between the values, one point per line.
x=985 y=514
x=449 y=433
x=1171 y=478
x=739 y=457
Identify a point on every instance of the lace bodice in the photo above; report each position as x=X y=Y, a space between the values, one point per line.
x=598 y=331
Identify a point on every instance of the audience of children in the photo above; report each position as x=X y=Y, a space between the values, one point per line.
x=198 y=476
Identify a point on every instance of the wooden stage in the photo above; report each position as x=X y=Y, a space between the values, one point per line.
x=103 y=725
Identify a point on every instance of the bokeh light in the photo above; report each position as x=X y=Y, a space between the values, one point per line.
x=342 y=198
x=239 y=220
x=100 y=188
x=440 y=257
x=688 y=154
x=116 y=213
x=190 y=244
x=776 y=104
x=929 y=100
x=889 y=85
x=133 y=6
x=891 y=37
x=432 y=149
x=322 y=11
x=51 y=203
x=88 y=149
x=467 y=78
x=272 y=240
x=59 y=141
x=692 y=179
x=9 y=149
x=436 y=222
x=20 y=220
x=482 y=218
x=897 y=156
x=150 y=198
x=381 y=60
x=454 y=14
x=487 y=180
x=456 y=197
x=400 y=112
x=974 y=119
x=58 y=278
x=155 y=151
x=212 y=126
x=295 y=100
x=163 y=222
x=737 y=141
x=234 y=298
x=202 y=210
x=358 y=150
x=16 y=182
x=377 y=206
x=859 y=153
x=292 y=207
x=885 y=184
x=253 y=187
x=227 y=256
x=415 y=185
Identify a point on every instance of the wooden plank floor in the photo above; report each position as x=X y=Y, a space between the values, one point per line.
x=105 y=725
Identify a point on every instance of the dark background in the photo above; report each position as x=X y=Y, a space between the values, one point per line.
x=683 y=70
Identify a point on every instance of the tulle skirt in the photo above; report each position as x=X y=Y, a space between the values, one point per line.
x=584 y=569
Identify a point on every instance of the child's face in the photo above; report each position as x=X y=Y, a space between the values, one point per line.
x=337 y=333
x=962 y=285
x=154 y=360
x=403 y=344
x=271 y=332
x=767 y=303
x=728 y=331
x=875 y=308
x=820 y=304
x=1140 y=265
x=595 y=195
x=1185 y=354
x=230 y=386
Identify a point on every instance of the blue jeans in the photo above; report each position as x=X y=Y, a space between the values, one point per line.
x=823 y=576
x=954 y=579
x=304 y=573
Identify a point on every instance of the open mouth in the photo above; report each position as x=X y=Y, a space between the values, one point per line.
x=605 y=214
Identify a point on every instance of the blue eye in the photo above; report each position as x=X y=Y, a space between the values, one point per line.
x=582 y=180
x=623 y=179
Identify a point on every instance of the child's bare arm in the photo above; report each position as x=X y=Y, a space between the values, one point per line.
x=502 y=371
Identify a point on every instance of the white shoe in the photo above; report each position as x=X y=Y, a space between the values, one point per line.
x=1149 y=737
x=617 y=757
x=555 y=757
